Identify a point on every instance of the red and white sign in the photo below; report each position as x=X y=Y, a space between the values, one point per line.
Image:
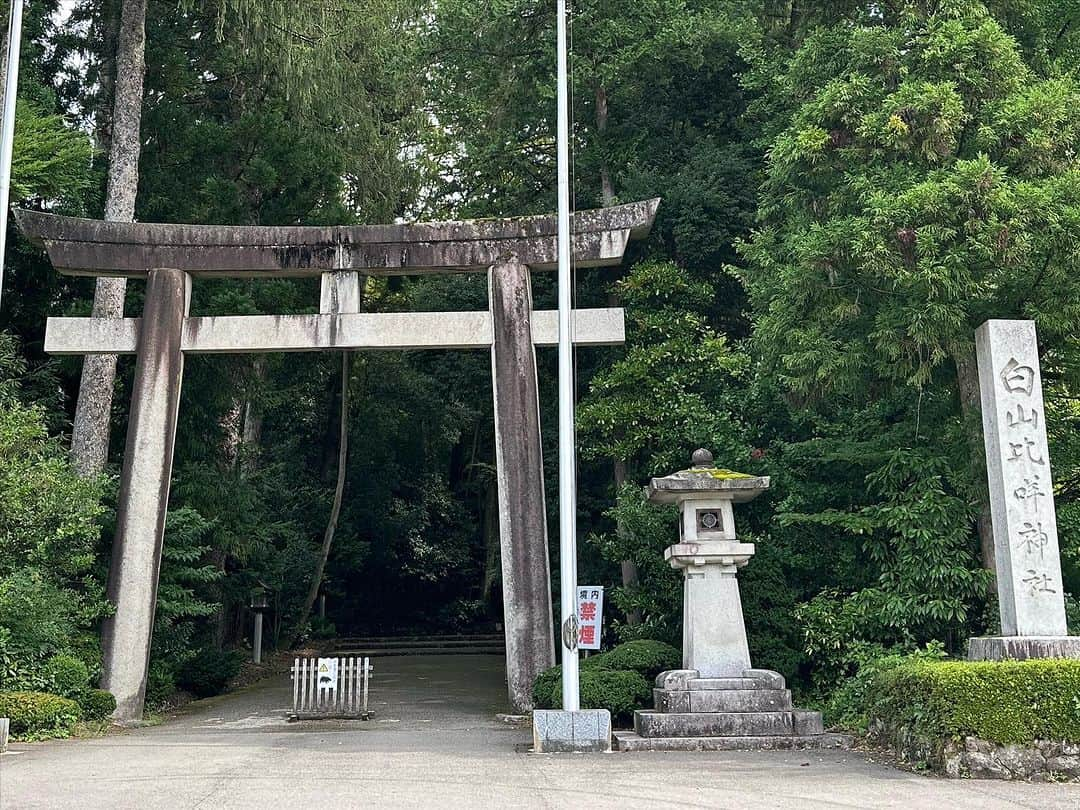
x=590 y=611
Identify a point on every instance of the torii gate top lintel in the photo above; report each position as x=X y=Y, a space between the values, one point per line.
x=94 y=247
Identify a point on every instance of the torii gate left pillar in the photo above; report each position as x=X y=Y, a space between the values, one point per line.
x=507 y=249
x=144 y=491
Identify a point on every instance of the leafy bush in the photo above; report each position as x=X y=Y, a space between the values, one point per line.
x=1000 y=701
x=322 y=628
x=38 y=714
x=97 y=704
x=67 y=676
x=618 y=691
x=619 y=680
x=209 y=672
x=646 y=657
x=160 y=682
x=848 y=706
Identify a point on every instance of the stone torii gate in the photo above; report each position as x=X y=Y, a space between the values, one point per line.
x=169 y=256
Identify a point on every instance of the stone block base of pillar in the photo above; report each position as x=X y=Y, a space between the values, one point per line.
x=750 y=710
x=585 y=731
x=1022 y=648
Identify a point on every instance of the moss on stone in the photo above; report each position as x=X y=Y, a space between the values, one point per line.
x=718 y=473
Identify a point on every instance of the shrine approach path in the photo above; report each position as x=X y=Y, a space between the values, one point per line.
x=434 y=741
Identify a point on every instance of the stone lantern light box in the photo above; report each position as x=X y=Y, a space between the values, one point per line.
x=717 y=700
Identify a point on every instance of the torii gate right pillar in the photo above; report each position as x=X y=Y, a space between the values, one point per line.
x=526 y=577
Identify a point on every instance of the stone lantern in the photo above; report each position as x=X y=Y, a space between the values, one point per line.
x=717 y=700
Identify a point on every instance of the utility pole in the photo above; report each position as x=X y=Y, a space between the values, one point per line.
x=7 y=129
x=567 y=447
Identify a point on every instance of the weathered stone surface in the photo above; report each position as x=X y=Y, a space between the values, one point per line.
x=722 y=700
x=713 y=724
x=144 y=493
x=714 y=635
x=91 y=247
x=557 y=731
x=1030 y=592
x=770 y=679
x=807 y=723
x=339 y=292
x=227 y=334
x=975 y=758
x=740 y=700
x=632 y=741
x=1021 y=648
x=671 y=701
x=675 y=679
x=526 y=573
x=671 y=488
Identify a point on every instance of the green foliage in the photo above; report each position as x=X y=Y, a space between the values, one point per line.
x=645 y=532
x=848 y=705
x=644 y=656
x=49 y=160
x=209 y=672
x=97 y=704
x=67 y=676
x=49 y=594
x=184 y=573
x=322 y=628
x=924 y=182
x=619 y=680
x=160 y=682
x=38 y=715
x=672 y=389
x=1000 y=701
x=618 y=691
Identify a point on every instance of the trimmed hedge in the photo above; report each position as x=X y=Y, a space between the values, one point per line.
x=646 y=657
x=39 y=713
x=618 y=691
x=999 y=701
x=97 y=704
x=619 y=680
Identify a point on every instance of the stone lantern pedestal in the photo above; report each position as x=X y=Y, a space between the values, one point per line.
x=717 y=700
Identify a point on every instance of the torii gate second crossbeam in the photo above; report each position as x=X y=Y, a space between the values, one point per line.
x=169 y=256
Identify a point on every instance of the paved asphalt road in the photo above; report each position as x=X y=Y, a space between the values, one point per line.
x=434 y=742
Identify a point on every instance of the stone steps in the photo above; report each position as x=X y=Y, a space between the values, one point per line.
x=728 y=724
x=447 y=639
x=384 y=652
x=632 y=741
x=384 y=646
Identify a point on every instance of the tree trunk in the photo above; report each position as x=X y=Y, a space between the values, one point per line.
x=492 y=561
x=607 y=188
x=90 y=433
x=967 y=378
x=339 y=491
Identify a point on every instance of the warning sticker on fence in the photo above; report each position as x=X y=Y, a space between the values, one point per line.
x=328 y=673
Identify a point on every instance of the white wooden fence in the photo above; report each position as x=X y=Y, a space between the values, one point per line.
x=343 y=695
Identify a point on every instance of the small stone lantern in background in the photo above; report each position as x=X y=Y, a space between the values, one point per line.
x=717 y=700
x=258 y=605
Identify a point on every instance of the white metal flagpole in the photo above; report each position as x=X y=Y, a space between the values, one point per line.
x=7 y=130
x=567 y=448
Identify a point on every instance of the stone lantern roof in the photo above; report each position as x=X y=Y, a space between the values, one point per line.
x=704 y=480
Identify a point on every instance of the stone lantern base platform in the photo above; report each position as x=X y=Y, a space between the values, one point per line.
x=1022 y=648
x=752 y=711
